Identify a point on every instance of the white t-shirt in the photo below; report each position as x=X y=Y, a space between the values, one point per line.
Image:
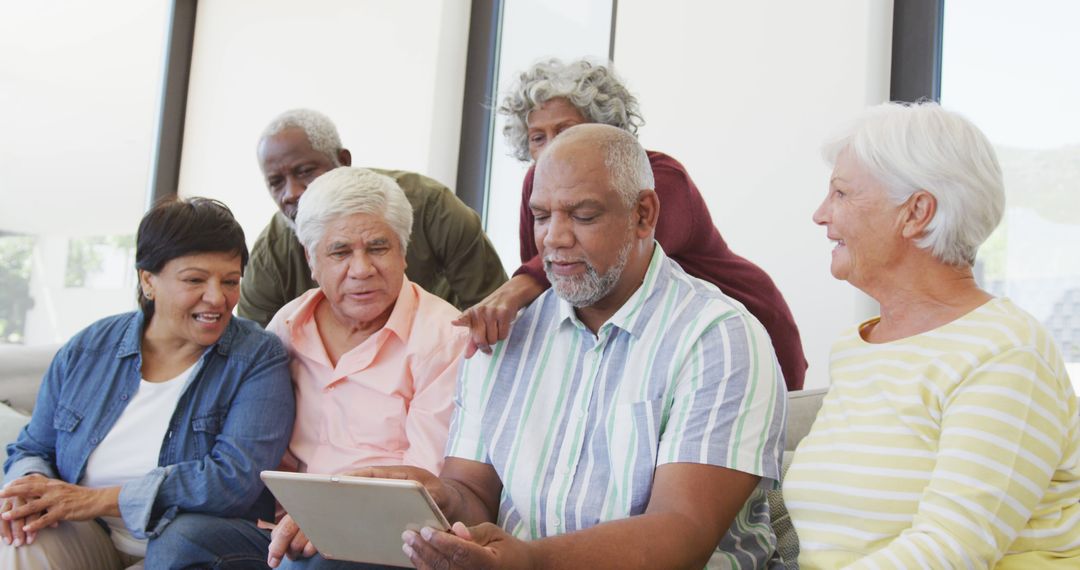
x=133 y=445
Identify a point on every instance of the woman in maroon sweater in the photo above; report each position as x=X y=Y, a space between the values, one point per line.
x=552 y=97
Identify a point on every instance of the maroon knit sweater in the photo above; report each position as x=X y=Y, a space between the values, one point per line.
x=686 y=232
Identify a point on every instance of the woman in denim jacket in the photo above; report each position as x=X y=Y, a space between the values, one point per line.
x=153 y=422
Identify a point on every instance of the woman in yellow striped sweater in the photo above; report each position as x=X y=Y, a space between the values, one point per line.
x=950 y=436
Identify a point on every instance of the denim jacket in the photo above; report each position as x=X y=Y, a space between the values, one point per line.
x=233 y=420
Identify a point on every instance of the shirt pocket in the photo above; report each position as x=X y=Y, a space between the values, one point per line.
x=207 y=427
x=66 y=419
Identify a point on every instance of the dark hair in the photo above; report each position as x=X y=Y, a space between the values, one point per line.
x=177 y=227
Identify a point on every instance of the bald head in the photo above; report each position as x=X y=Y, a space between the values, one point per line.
x=623 y=158
x=595 y=216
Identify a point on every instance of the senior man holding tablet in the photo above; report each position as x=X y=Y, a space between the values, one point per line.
x=633 y=418
x=374 y=356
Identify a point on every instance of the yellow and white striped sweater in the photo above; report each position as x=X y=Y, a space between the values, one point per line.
x=955 y=448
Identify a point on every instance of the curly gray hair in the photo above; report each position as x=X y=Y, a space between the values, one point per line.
x=320 y=131
x=594 y=90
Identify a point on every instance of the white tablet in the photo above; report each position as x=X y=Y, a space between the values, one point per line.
x=358 y=519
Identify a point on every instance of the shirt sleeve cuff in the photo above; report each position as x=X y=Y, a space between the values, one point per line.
x=467 y=448
x=137 y=504
x=28 y=465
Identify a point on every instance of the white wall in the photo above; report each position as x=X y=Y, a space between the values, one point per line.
x=744 y=94
x=390 y=74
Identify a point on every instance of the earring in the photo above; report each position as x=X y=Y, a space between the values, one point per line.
x=149 y=297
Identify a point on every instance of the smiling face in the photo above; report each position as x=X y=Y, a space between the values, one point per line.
x=864 y=223
x=360 y=265
x=549 y=119
x=289 y=164
x=584 y=230
x=194 y=296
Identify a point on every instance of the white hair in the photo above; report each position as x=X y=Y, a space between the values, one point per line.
x=626 y=160
x=920 y=146
x=628 y=164
x=345 y=191
x=319 y=129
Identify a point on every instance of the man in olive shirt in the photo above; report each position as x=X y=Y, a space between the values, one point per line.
x=449 y=255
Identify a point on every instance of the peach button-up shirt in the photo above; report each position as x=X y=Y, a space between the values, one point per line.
x=388 y=401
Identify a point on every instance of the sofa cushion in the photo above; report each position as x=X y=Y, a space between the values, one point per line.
x=803 y=407
x=21 y=371
x=11 y=422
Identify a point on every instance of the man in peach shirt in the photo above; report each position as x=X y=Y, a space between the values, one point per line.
x=374 y=357
x=374 y=361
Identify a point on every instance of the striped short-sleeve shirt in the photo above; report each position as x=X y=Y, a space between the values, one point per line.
x=955 y=448
x=575 y=424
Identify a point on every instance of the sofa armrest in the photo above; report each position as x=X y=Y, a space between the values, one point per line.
x=803 y=407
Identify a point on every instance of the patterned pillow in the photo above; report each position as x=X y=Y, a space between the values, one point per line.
x=787 y=542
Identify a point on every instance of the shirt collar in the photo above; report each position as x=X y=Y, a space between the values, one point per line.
x=131 y=340
x=400 y=320
x=303 y=313
x=626 y=318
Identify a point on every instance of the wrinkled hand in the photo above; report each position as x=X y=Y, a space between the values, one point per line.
x=47 y=502
x=487 y=324
x=12 y=530
x=483 y=547
x=489 y=320
x=288 y=540
x=438 y=490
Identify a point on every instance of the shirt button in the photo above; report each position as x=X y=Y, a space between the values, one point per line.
x=558 y=522
x=565 y=470
x=94 y=440
x=579 y=414
x=123 y=396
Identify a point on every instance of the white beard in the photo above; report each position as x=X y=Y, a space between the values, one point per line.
x=586 y=290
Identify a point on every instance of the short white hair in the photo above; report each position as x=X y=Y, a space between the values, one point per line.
x=626 y=161
x=920 y=146
x=345 y=191
x=319 y=129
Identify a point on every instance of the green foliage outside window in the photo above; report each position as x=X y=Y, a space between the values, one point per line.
x=86 y=256
x=15 y=300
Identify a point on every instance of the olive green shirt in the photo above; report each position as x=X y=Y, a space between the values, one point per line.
x=448 y=255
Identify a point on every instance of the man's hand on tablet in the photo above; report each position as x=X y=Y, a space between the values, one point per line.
x=288 y=540
x=482 y=547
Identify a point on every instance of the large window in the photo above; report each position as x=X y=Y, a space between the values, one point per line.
x=1008 y=67
x=531 y=31
x=79 y=92
x=389 y=74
